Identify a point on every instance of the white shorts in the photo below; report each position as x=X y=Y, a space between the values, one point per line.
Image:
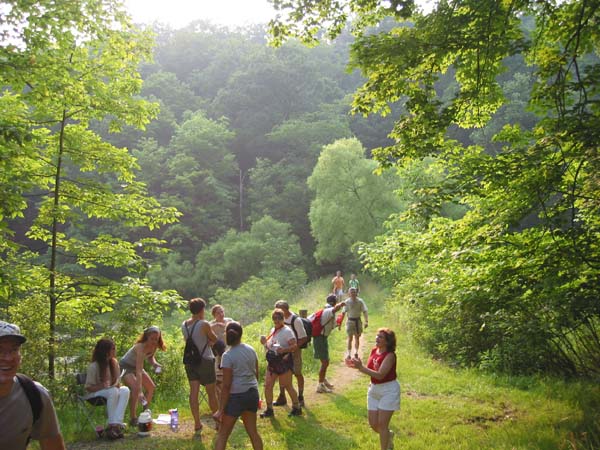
x=384 y=396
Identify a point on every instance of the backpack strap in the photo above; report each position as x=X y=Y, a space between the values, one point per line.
x=33 y=395
x=190 y=336
x=294 y=317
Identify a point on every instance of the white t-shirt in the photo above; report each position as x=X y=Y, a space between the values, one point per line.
x=280 y=337
x=327 y=320
x=16 y=418
x=297 y=326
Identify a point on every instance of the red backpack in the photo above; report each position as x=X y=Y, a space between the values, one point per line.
x=317 y=328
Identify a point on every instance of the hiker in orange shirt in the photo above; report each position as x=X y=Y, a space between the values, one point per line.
x=337 y=285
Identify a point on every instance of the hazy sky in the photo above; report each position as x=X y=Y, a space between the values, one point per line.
x=179 y=13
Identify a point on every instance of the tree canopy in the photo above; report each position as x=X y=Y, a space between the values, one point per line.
x=520 y=269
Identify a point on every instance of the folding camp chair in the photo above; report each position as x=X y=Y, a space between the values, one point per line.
x=87 y=406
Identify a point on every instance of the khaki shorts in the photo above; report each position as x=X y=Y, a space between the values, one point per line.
x=297 y=370
x=354 y=327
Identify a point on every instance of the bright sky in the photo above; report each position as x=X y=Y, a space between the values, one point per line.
x=179 y=13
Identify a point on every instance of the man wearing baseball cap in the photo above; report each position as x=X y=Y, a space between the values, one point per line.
x=26 y=409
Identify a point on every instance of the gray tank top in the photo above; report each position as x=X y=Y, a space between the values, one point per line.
x=199 y=339
x=129 y=358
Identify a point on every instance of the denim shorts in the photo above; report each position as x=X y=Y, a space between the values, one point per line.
x=244 y=401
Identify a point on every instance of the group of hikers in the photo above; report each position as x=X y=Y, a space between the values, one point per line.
x=216 y=358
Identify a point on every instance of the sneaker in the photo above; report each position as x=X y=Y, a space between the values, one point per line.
x=328 y=384
x=301 y=401
x=296 y=411
x=267 y=413
x=391 y=441
x=323 y=389
x=281 y=401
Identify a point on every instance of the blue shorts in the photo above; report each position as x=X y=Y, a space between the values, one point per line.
x=244 y=401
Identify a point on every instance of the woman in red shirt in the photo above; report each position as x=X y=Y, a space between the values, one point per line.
x=383 y=397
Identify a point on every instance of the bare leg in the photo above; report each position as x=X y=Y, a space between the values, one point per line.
x=379 y=421
x=194 y=405
x=148 y=386
x=323 y=370
x=285 y=380
x=130 y=381
x=249 y=419
x=269 y=383
x=356 y=342
x=227 y=424
x=213 y=401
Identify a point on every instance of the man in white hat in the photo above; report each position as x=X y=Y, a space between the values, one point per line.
x=26 y=409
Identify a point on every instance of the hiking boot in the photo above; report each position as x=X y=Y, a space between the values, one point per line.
x=267 y=413
x=281 y=401
x=301 y=401
x=322 y=389
x=296 y=411
x=328 y=384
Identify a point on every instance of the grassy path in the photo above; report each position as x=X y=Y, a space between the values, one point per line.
x=442 y=408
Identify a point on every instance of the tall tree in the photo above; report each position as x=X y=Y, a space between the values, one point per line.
x=351 y=202
x=66 y=64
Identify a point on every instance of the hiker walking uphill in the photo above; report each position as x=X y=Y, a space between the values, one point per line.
x=296 y=325
x=327 y=323
x=26 y=409
x=337 y=285
x=354 y=306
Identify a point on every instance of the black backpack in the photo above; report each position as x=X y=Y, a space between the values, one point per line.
x=307 y=327
x=191 y=354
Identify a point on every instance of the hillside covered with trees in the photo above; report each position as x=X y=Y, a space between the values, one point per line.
x=453 y=155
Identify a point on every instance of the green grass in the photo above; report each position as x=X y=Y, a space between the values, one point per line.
x=442 y=407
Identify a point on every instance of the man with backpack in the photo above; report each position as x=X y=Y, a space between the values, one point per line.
x=323 y=324
x=297 y=325
x=26 y=409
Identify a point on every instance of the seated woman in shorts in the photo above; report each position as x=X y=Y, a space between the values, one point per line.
x=239 y=393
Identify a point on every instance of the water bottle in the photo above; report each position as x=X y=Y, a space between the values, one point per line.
x=174 y=419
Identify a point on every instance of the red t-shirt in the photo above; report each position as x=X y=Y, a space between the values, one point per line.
x=375 y=361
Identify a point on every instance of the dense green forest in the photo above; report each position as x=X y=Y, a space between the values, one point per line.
x=453 y=155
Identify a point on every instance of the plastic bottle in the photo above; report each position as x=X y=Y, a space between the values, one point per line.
x=174 y=419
